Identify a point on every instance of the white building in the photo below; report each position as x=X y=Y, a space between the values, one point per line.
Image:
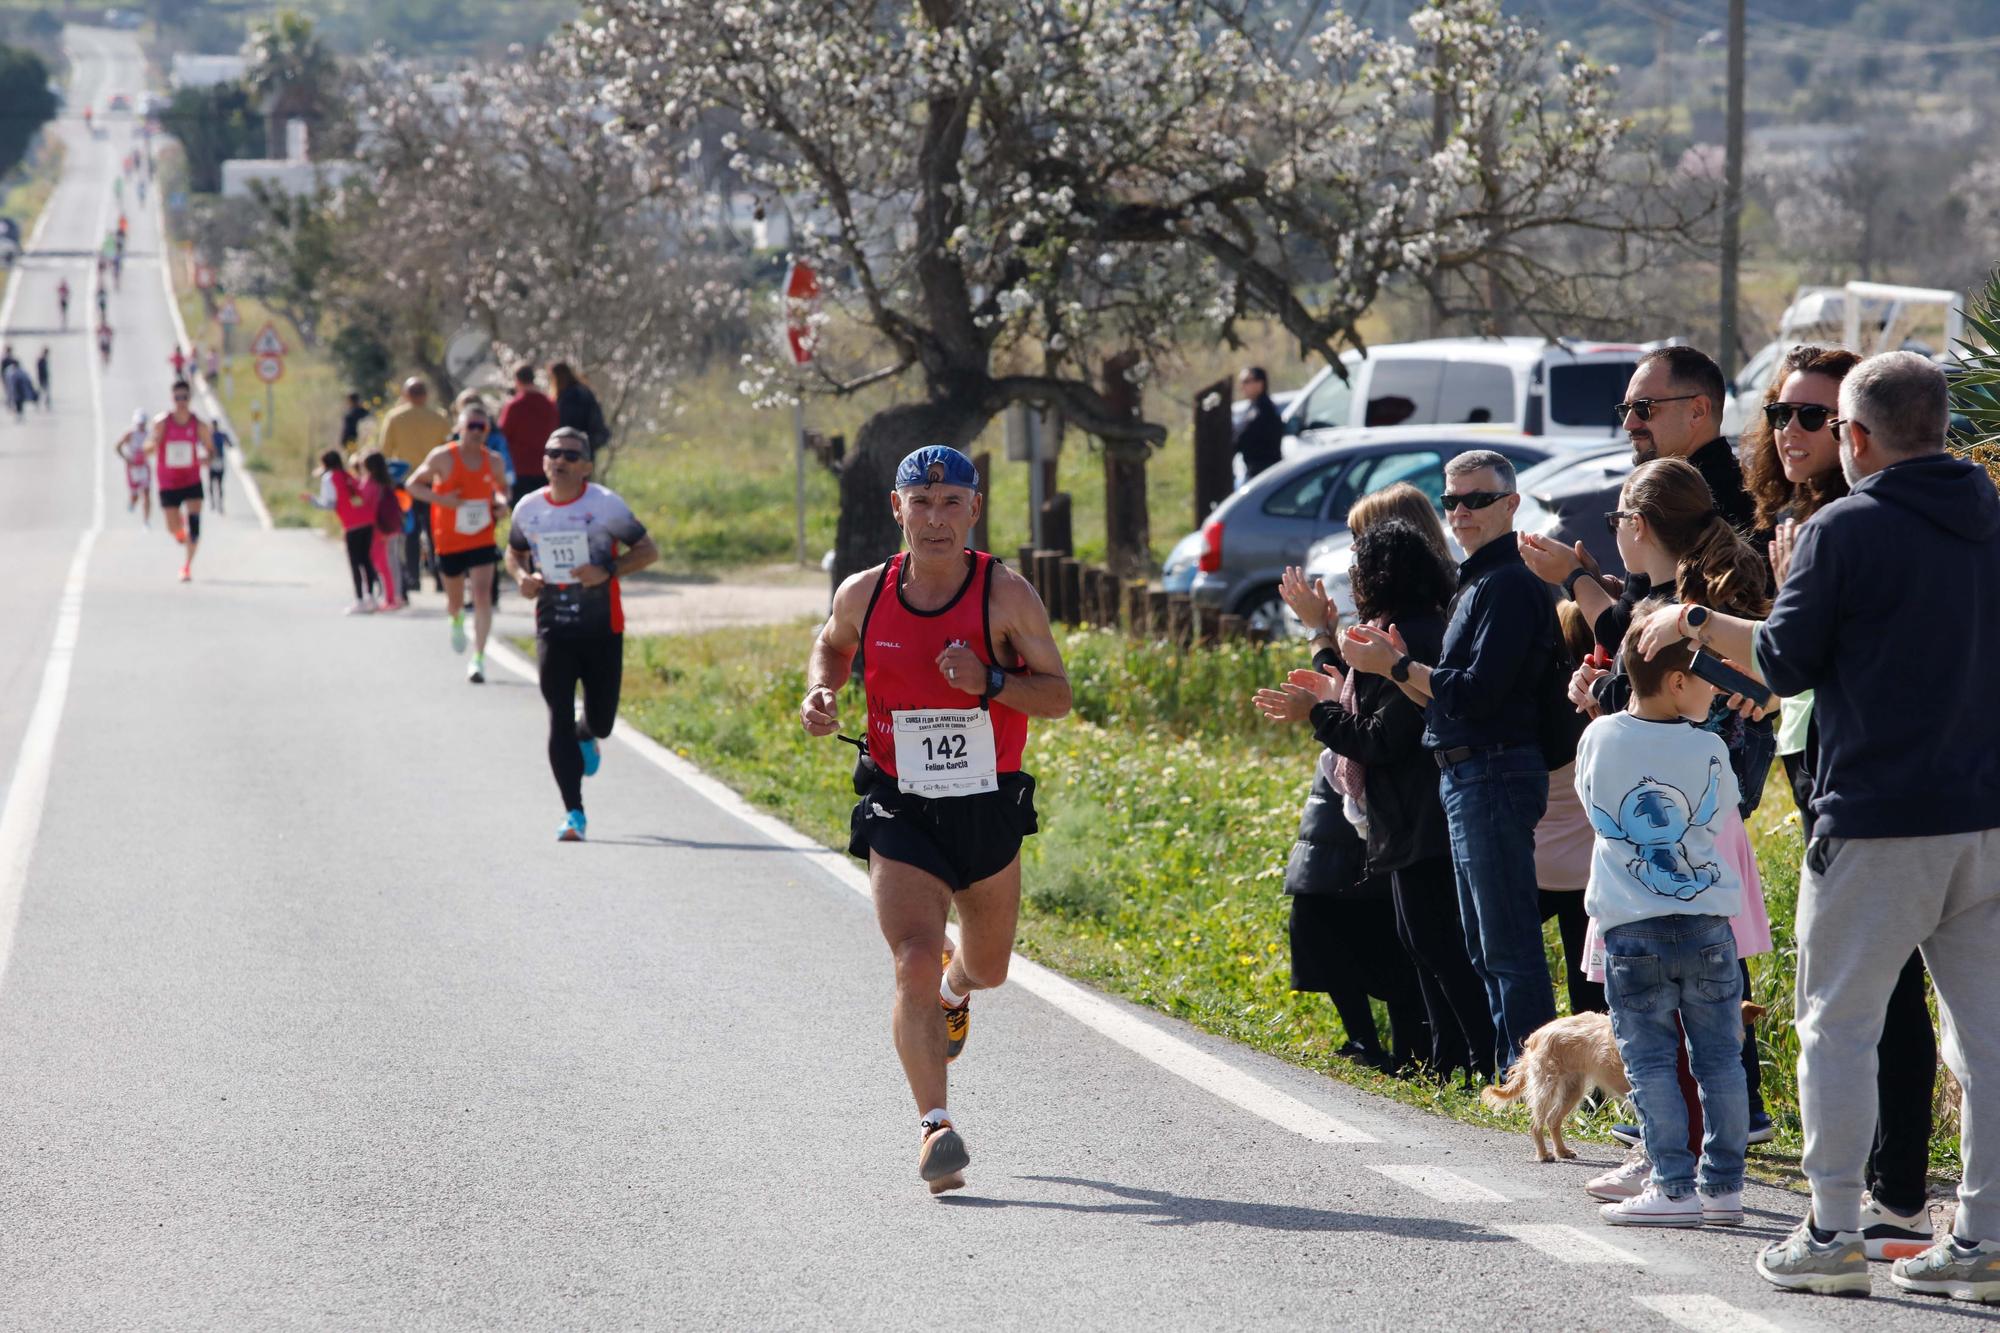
x=193 y=71
x=295 y=174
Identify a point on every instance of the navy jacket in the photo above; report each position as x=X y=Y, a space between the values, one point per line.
x=1261 y=441
x=1891 y=612
x=1502 y=630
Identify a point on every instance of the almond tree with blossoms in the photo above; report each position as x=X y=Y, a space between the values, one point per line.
x=1008 y=191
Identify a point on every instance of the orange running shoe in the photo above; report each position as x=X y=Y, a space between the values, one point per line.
x=957 y=1020
x=942 y=1159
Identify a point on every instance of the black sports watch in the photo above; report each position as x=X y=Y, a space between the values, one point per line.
x=996 y=680
x=1569 y=584
x=1400 y=673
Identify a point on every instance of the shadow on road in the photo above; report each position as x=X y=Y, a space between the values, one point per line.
x=694 y=844
x=1162 y=1208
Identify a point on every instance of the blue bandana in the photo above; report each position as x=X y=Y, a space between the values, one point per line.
x=937 y=465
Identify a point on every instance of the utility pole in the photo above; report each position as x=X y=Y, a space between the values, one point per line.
x=1732 y=197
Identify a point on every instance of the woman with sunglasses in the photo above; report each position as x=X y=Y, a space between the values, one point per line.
x=1791 y=465
x=465 y=485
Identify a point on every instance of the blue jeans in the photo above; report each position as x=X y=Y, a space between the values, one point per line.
x=1684 y=967
x=1492 y=802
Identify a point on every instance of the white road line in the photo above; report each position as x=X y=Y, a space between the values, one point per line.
x=21 y=818
x=1439 y=1184
x=1172 y=1053
x=244 y=477
x=1707 y=1314
x=1570 y=1245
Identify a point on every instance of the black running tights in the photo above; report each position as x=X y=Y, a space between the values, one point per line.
x=361 y=561
x=596 y=662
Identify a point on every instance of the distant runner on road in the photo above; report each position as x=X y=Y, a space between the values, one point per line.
x=131 y=448
x=569 y=545
x=466 y=487
x=62 y=300
x=957 y=656
x=182 y=447
x=217 y=466
x=103 y=337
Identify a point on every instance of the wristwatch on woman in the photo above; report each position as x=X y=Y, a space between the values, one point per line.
x=1692 y=619
x=1569 y=583
x=1400 y=673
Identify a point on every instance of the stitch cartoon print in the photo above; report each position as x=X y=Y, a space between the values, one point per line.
x=1652 y=819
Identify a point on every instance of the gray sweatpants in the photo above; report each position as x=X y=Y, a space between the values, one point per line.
x=1864 y=903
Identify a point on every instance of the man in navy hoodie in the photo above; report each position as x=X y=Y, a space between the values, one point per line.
x=1891 y=612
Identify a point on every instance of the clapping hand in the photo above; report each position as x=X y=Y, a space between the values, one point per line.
x=1309 y=603
x=1293 y=701
x=1551 y=562
x=1372 y=650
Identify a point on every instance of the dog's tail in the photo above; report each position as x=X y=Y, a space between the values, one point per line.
x=1499 y=1094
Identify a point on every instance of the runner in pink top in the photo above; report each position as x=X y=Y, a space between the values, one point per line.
x=182 y=446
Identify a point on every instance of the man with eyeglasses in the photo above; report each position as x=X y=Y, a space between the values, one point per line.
x=465 y=484
x=1887 y=614
x=1483 y=713
x=182 y=446
x=570 y=543
x=1673 y=409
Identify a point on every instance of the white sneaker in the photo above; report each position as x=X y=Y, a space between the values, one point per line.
x=1721 y=1210
x=1888 y=1234
x=358 y=609
x=1651 y=1208
x=1621 y=1182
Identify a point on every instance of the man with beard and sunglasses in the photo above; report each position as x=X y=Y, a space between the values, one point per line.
x=1673 y=409
x=1483 y=714
x=570 y=543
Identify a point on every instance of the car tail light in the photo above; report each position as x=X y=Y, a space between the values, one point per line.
x=1210 y=561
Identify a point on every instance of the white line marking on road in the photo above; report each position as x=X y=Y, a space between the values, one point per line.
x=1437 y=1183
x=21 y=819
x=1570 y=1245
x=244 y=477
x=1707 y=1314
x=1174 y=1054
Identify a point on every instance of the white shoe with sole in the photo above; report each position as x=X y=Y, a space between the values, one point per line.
x=1653 y=1208
x=1624 y=1181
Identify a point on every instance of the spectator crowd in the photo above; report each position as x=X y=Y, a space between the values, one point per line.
x=1520 y=736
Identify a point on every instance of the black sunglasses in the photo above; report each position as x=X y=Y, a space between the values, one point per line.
x=473 y=425
x=1617 y=516
x=1471 y=499
x=567 y=455
x=1642 y=408
x=1812 y=416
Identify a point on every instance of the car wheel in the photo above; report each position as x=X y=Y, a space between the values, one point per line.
x=1263 y=612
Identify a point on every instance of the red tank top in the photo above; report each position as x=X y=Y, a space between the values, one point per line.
x=899 y=651
x=180 y=454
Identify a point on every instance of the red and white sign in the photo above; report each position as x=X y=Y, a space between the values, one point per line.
x=270 y=369
x=801 y=297
x=267 y=342
x=204 y=276
x=228 y=314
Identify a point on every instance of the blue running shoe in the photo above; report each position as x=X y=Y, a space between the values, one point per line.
x=572 y=827
x=593 y=758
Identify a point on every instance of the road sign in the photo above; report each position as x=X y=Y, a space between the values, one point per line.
x=270 y=369
x=267 y=342
x=228 y=315
x=801 y=293
x=204 y=276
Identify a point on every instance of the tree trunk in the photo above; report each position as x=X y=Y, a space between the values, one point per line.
x=867 y=533
x=1128 y=528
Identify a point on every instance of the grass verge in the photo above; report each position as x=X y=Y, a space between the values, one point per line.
x=1168 y=810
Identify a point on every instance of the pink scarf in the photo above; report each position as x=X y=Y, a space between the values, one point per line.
x=1348 y=775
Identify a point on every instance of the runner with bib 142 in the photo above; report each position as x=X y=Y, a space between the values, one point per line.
x=956 y=657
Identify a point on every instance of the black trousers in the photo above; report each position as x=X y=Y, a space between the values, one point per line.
x=1566 y=906
x=597 y=663
x=1427 y=922
x=1346 y=946
x=361 y=560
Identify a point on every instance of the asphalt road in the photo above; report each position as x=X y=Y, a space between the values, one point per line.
x=306 y=1020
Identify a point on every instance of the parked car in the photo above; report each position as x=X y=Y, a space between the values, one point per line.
x=1274 y=519
x=1564 y=497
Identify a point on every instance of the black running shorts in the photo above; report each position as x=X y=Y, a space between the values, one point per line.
x=960 y=839
x=454 y=564
x=180 y=495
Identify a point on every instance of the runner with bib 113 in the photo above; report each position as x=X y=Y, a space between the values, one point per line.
x=957 y=656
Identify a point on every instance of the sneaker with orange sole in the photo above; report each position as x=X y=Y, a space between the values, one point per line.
x=957 y=1021
x=942 y=1159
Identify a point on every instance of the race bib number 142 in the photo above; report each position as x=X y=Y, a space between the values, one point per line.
x=945 y=752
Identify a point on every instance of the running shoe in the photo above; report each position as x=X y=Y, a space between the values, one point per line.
x=187 y=573
x=1951 y=1267
x=593 y=757
x=1799 y=1262
x=1888 y=1234
x=572 y=827
x=1653 y=1207
x=475 y=670
x=458 y=639
x=1623 y=1181
x=957 y=1027
x=942 y=1159
x=358 y=609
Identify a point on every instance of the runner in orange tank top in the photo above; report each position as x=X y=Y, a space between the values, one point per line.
x=957 y=656
x=465 y=485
